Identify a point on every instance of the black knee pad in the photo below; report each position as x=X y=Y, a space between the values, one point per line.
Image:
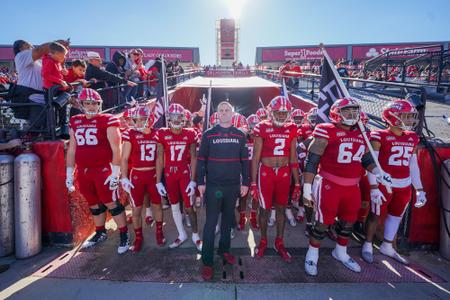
x=117 y=210
x=343 y=229
x=317 y=233
x=98 y=211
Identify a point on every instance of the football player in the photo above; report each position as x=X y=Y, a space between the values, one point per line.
x=338 y=150
x=396 y=148
x=139 y=144
x=95 y=149
x=176 y=153
x=274 y=160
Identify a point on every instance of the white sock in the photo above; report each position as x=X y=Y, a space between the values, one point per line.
x=312 y=254
x=178 y=220
x=391 y=226
x=148 y=212
x=289 y=214
x=272 y=214
x=367 y=247
x=195 y=237
x=387 y=248
x=341 y=252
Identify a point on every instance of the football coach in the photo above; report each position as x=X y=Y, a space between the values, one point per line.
x=223 y=164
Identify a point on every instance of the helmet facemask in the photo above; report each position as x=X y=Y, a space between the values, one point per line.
x=408 y=121
x=350 y=115
x=176 y=121
x=279 y=117
x=88 y=105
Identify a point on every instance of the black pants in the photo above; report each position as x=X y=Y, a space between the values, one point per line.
x=219 y=199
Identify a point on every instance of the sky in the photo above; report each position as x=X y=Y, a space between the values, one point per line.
x=191 y=23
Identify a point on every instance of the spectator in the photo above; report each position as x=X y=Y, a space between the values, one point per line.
x=29 y=86
x=116 y=66
x=76 y=72
x=132 y=66
x=94 y=71
x=52 y=67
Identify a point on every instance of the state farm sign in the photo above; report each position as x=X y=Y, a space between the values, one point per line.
x=400 y=51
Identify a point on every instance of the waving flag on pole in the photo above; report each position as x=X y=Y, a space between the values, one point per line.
x=208 y=107
x=160 y=108
x=330 y=89
x=284 y=91
x=261 y=103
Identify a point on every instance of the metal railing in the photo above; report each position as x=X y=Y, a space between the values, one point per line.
x=373 y=95
x=114 y=99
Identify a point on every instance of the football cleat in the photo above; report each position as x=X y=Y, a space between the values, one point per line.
x=311 y=268
x=149 y=220
x=177 y=243
x=160 y=240
x=124 y=244
x=207 y=273
x=137 y=246
x=349 y=263
x=259 y=252
x=280 y=249
x=229 y=258
x=394 y=254
x=98 y=237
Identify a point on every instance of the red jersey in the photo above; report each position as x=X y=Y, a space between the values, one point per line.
x=92 y=146
x=71 y=76
x=176 y=146
x=143 y=147
x=250 y=147
x=395 y=153
x=276 y=140
x=305 y=131
x=51 y=72
x=342 y=157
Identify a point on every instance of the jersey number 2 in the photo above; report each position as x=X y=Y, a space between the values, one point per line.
x=279 y=147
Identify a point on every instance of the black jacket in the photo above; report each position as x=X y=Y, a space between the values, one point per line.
x=115 y=67
x=102 y=77
x=223 y=157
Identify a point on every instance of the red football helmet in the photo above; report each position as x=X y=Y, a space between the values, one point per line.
x=214 y=119
x=311 y=116
x=239 y=121
x=400 y=113
x=298 y=115
x=280 y=109
x=262 y=114
x=143 y=118
x=364 y=118
x=176 y=115
x=345 y=111
x=90 y=97
x=252 y=120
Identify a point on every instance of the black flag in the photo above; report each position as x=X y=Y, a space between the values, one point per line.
x=330 y=90
x=160 y=107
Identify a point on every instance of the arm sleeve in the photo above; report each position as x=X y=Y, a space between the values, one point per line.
x=245 y=164
x=202 y=160
x=415 y=173
x=126 y=136
x=372 y=178
x=107 y=76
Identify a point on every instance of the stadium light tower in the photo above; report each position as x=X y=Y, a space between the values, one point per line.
x=227 y=42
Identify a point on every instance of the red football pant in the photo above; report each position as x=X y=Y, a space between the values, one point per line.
x=143 y=182
x=177 y=180
x=334 y=200
x=92 y=185
x=273 y=186
x=396 y=202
